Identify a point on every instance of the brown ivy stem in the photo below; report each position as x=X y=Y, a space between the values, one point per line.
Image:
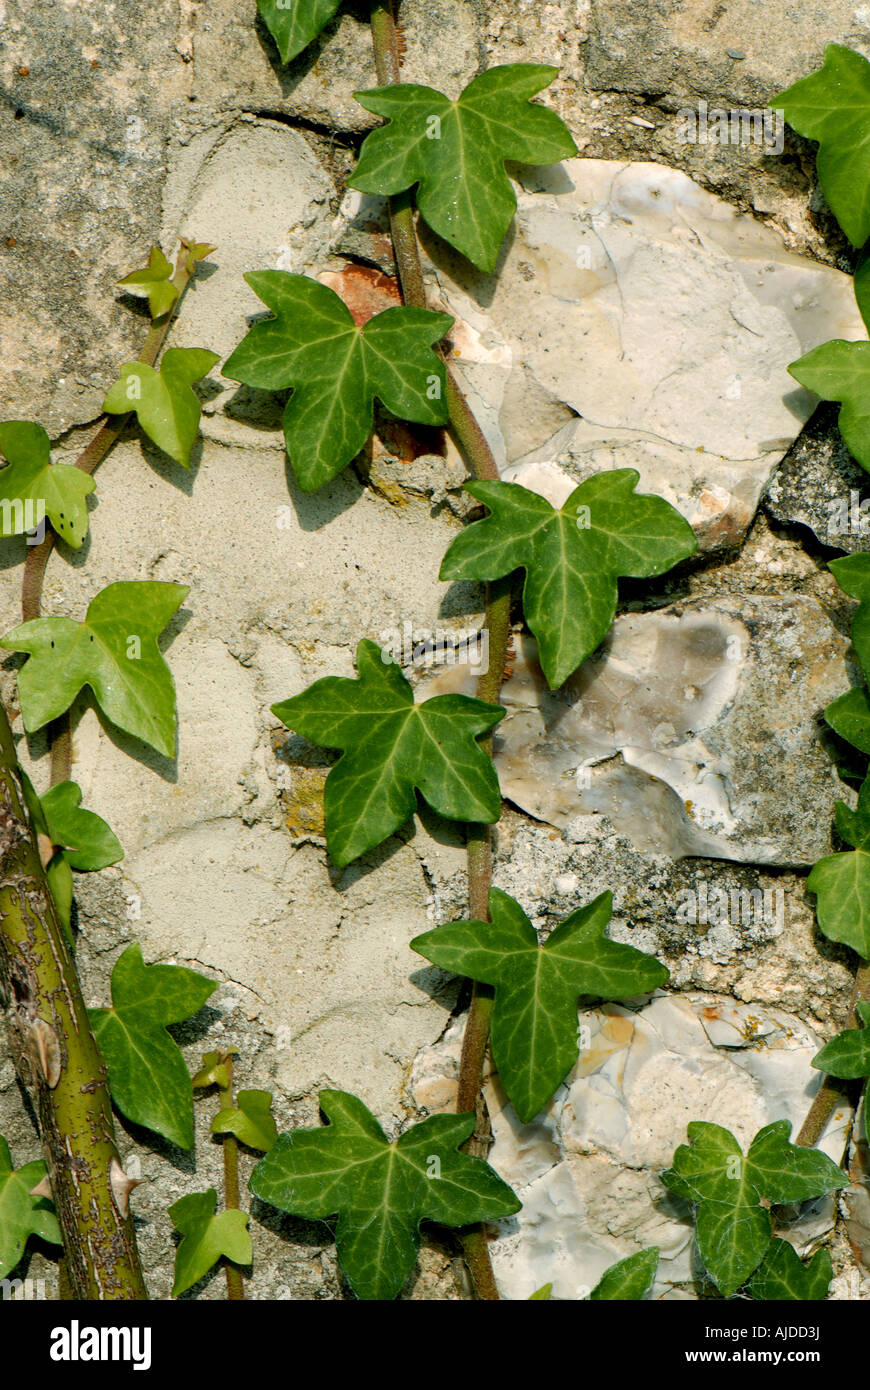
x=59 y=1064
x=58 y=731
x=831 y=1094
x=55 y=1052
x=235 y=1284
x=472 y=441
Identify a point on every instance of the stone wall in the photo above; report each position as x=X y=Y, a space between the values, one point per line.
x=647 y=304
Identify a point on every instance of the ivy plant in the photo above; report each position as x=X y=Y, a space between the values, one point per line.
x=728 y=1190
x=206 y=1237
x=534 y=1021
x=380 y=1191
x=30 y=479
x=847 y=1056
x=572 y=556
x=23 y=1212
x=391 y=746
x=162 y=398
x=147 y=1073
x=114 y=652
x=446 y=159
x=337 y=369
x=294 y=25
x=454 y=152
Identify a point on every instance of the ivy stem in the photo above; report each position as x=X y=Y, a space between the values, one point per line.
x=472 y=441
x=58 y=731
x=831 y=1094
x=235 y=1284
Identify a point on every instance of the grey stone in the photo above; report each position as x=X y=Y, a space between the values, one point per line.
x=238 y=67
x=819 y=485
x=694 y=730
x=88 y=95
x=633 y=298
x=743 y=52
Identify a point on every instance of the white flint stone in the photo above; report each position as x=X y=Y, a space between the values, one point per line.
x=691 y=733
x=587 y=1168
x=661 y=317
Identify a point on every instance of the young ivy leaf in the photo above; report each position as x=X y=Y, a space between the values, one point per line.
x=841 y=882
x=534 y=1021
x=22 y=1215
x=572 y=556
x=542 y=1294
x=832 y=106
x=847 y=1056
x=294 y=23
x=84 y=839
x=215 y=1070
x=455 y=151
x=840 y=371
x=380 y=1191
x=33 y=487
x=783 y=1277
x=194 y=252
x=114 y=652
x=337 y=369
x=250 y=1120
x=390 y=747
x=733 y=1229
x=628 y=1280
x=206 y=1238
x=166 y=406
x=148 y=1079
x=156 y=280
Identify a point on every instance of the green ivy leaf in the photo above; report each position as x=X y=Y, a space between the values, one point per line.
x=847 y=1056
x=87 y=841
x=832 y=106
x=572 y=556
x=166 y=406
x=849 y=716
x=22 y=1215
x=841 y=882
x=156 y=280
x=629 y=1279
x=782 y=1276
x=207 y=1238
x=55 y=490
x=250 y=1120
x=840 y=371
x=390 y=747
x=733 y=1229
x=337 y=369
x=148 y=1078
x=455 y=151
x=380 y=1191
x=60 y=881
x=542 y=1294
x=114 y=652
x=534 y=1021
x=852 y=573
x=294 y=23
